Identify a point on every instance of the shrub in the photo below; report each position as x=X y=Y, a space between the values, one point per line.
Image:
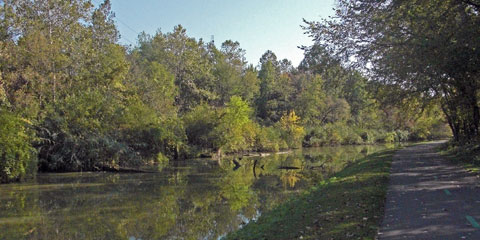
x=60 y=149
x=268 y=140
x=93 y=131
x=419 y=134
x=367 y=136
x=440 y=130
x=235 y=130
x=352 y=138
x=315 y=137
x=402 y=135
x=199 y=125
x=389 y=137
x=291 y=131
x=17 y=156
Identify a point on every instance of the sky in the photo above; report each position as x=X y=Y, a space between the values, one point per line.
x=258 y=25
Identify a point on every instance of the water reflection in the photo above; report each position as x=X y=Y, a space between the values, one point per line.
x=194 y=199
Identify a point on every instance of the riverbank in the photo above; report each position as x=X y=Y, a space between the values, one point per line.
x=348 y=205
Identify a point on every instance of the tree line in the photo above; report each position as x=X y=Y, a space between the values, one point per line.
x=73 y=99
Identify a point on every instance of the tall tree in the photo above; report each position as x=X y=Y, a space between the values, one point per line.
x=187 y=59
x=428 y=47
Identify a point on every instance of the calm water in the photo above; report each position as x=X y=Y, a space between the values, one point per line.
x=193 y=199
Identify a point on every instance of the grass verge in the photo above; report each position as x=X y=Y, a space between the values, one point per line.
x=468 y=155
x=349 y=205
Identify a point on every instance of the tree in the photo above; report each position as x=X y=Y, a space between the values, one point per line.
x=228 y=68
x=249 y=86
x=425 y=47
x=310 y=102
x=275 y=90
x=319 y=61
x=103 y=26
x=187 y=59
x=292 y=131
x=235 y=131
x=17 y=156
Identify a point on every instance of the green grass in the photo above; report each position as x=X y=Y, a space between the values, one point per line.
x=349 y=205
x=468 y=155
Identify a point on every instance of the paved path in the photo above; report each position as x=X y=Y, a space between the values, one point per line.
x=428 y=198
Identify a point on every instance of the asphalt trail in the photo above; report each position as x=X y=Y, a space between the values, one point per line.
x=429 y=198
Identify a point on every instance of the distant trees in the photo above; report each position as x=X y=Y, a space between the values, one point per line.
x=80 y=101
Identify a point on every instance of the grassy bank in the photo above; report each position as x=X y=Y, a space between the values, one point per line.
x=347 y=206
x=467 y=155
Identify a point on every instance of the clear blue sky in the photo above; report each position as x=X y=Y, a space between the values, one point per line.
x=258 y=25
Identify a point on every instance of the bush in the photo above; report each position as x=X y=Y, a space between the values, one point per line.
x=93 y=131
x=315 y=137
x=268 y=139
x=367 y=136
x=291 y=131
x=352 y=138
x=235 y=130
x=62 y=150
x=389 y=137
x=402 y=136
x=199 y=125
x=440 y=130
x=17 y=156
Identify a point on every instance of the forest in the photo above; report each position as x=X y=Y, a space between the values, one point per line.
x=72 y=98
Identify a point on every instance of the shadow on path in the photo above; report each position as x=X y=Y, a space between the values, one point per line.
x=429 y=198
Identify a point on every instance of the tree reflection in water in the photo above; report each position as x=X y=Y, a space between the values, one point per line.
x=193 y=199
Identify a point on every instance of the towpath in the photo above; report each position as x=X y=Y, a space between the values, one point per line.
x=430 y=198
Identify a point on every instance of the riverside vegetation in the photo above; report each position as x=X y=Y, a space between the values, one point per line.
x=73 y=99
x=422 y=50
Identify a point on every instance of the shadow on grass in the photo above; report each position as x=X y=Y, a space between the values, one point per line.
x=348 y=205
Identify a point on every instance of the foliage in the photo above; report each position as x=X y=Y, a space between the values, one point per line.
x=186 y=58
x=97 y=105
x=291 y=130
x=199 y=125
x=235 y=131
x=17 y=156
x=275 y=90
x=78 y=135
x=422 y=49
x=268 y=139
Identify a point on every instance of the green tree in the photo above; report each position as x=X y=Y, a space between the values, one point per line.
x=292 y=131
x=228 y=68
x=199 y=125
x=235 y=131
x=17 y=156
x=311 y=97
x=426 y=47
x=186 y=58
x=275 y=90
